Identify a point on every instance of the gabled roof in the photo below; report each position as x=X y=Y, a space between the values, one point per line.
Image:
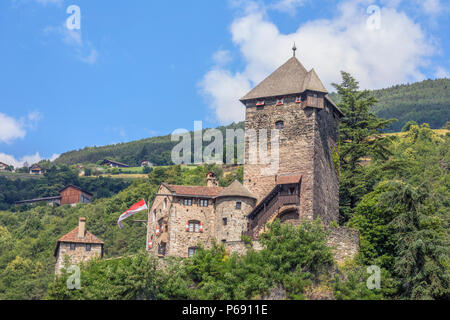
x=236 y=189
x=72 y=237
x=209 y=192
x=72 y=186
x=3 y=164
x=290 y=78
x=35 y=166
x=115 y=162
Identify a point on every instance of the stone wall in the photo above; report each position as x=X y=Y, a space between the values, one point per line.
x=236 y=219
x=76 y=256
x=326 y=181
x=344 y=241
x=296 y=148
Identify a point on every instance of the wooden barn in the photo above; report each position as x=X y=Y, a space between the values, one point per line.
x=73 y=194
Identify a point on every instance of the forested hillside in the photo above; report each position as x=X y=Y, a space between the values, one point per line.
x=156 y=150
x=424 y=102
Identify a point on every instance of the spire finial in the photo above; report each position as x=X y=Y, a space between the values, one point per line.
x=294 y=48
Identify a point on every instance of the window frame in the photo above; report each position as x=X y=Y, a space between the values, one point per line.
x=73 y=246
x=202 y=203
x=194 y=251
x=194 y=226
x=187 y=202
x=280 y=101
x=279 y=125
x=238 y=205
x=88 y=247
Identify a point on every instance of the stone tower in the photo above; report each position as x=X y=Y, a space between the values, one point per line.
x=295 y=101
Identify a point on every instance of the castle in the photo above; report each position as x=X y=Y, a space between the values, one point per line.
x=304 y=187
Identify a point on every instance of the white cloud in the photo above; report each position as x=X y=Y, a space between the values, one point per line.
x=10 y=129
x=222 y=57
x=30 y=159
x=83 y=50
x=46 y=2
x=378 y=58
x=431 y=6
x=288 y=6
x=442 y=73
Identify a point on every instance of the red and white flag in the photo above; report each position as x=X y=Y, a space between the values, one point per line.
x=141 y=205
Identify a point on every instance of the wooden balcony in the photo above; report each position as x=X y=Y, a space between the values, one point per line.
x=264 y=212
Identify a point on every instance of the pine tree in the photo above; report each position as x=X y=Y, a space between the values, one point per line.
x=359 y=137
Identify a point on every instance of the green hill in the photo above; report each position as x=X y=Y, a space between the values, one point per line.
x=424 y=102
x=156 y=150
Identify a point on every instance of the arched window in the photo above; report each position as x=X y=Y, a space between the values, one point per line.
x=279 y=125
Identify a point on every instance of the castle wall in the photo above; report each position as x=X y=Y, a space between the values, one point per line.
x=76 y=256
x=344 y=242
x=296 y=149
x=236 y=218
x=326 y=180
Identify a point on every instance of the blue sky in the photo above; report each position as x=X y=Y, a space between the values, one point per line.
x=137 y=69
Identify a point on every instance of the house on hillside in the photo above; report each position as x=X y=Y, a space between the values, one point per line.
x=68 y=195
x=113 y=164
x=35 y=169
x=146 y=163
x=305 y=187
x=3 y=166
x=79 y=245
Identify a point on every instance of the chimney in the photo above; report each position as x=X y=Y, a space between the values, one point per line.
x=211 y=180
x=81 y=228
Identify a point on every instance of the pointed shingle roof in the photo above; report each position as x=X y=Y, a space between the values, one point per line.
x=290 y=78
x=236 y=189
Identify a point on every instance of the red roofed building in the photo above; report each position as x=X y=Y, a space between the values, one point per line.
x=79 y=245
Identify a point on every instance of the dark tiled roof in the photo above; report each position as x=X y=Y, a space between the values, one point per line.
x=290 y=78
x=39 y=200
x=236 y=189
x=115 y=162
x=195 y=190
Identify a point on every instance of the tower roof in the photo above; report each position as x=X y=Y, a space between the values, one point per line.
x=236 y=189
x=290 y=78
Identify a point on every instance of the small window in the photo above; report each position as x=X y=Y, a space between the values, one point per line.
x=203 y=202
x=162 y=248
x=280 y=102
x=154 y=215
x=194 y=226
x=238 y=205
x=298 y=99
x=165 y=204
x=188 y=202
x=192 y=251
x=72 y=246
x=260 y=103
x=88 y=247
x=279 y=125
x=225 y=221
